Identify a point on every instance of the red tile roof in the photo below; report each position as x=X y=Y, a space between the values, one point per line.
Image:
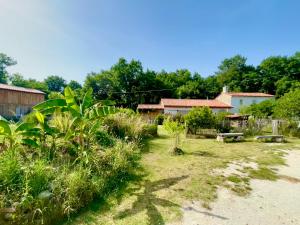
x=251 y=94
x=150 y=106
x=169 y=102
x=21 y=89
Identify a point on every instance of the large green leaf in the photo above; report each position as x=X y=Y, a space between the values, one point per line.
x=40 y=117
x=25 y=126
x=30 y=142
x=70 y=99
x=52 y=103
x=5 y=128
x=87 y=100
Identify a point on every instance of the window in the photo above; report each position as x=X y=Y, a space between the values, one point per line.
x=241 y=101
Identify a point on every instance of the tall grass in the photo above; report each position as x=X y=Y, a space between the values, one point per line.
x=38 y=189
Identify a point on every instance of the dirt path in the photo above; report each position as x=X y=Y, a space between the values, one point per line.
x=270 y=202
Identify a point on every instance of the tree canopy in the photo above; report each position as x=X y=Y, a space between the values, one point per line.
x=128 y=84
x=5 y=61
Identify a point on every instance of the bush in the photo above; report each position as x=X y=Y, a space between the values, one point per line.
x=222 y=123
x=150 y=130
x=290 y=128
x=288 y=106
x=104 y=139
x=201 y=117
x=263 y=109
x=124 y=126
x=159 y=120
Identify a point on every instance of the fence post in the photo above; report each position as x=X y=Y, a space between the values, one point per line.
x=275 y=127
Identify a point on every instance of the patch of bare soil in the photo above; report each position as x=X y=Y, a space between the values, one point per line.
x=270 y=202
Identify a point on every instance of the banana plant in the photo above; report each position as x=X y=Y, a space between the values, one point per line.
x=86 y=116
x=19 y=133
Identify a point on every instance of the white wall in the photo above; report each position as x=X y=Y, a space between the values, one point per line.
x=174 y=111
x=246 y=101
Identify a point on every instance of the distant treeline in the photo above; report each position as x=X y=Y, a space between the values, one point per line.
x=128 y=84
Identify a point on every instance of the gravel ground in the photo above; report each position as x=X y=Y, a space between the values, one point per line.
x=270 y=202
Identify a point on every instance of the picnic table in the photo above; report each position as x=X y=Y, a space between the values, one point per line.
x=272 y=138
x=222 y=137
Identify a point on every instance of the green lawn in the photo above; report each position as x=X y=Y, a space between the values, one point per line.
x=167 y=181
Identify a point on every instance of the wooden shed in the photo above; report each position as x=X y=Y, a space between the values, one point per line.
x=18 y=101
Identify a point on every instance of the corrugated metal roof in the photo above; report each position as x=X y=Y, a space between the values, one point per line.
x=170 y=102
x=248 y=94
x=21 y=89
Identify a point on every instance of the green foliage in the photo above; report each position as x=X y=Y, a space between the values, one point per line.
x=74 y=85
x=263 y=109
x=290 y=128
x=174 y=128
x=288 y=106
x=201 y=117
x=222 y=123
x=11 y=172
x=150 y=130
x=159 y=120
x=55 y=83
x=20 y=81
x=125 y=126
x=55 y=95
x=5 y=61
x=60 y=157
x=104 y=139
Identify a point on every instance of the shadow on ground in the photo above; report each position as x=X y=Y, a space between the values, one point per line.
x=148 y=201
x=202 y=154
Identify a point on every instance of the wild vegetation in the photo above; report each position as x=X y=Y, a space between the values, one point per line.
x=63 y=156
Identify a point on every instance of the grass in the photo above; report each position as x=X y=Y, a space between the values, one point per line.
x=168 y=181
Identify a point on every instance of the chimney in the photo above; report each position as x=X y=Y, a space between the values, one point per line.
x=225 y=89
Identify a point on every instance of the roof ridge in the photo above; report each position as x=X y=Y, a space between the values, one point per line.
x=18 y=88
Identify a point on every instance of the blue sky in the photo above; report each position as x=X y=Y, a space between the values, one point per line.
x=71 y=38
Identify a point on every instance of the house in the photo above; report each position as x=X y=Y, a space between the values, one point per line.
x=173 y=106
x=240 y=99
x=18 y=101
x=226 y=102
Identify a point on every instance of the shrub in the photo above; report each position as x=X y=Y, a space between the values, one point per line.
x=222 y=123
x=159 y=120
x=104 y=139
x=38 y=177
x=263 y=109
x=150 y=130
x=201 y=117
x=288 y=106
x=290 y=128
x=124 y=126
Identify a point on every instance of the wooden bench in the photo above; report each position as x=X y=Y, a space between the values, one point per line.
x=272 y=138
x=222 y=137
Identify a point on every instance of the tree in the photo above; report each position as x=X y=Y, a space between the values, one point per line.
x=286 y=84
x=288 y=106
x=235 y=73
x=55 y=83
x=5 y=61
x=274 y=68
x=18 y=80
x=74 y=85
x=174 y=128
